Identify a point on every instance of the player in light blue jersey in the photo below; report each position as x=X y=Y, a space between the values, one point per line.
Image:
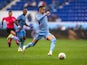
x=41 y=17
x=21 y=33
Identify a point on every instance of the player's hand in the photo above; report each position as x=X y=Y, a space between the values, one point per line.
x=19 y=28
x=47 y=13
x=31 y=26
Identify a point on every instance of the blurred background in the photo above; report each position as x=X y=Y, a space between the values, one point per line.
x=68 y=18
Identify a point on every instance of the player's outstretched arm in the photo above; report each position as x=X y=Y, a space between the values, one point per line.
x=19 y=27
x=27 y=25
x=38 y=18
x=16 y=22
x=30 y=26
x=47 y=13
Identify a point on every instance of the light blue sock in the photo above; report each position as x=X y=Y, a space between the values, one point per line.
x=53 y=42
x=30 y=44
x=21 y=44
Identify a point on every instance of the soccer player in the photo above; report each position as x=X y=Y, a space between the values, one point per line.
x=10 y=27
x=41 y=17
x=21 y=33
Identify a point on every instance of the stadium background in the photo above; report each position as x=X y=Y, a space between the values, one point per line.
x=68 y=18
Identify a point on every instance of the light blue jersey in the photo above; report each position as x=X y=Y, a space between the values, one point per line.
x=22 y=21
x=43 y=26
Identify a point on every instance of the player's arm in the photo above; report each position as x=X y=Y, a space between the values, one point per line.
x=30 y=25
x=39 y=17
x=2 y=22
x=27 y=25
x=17 y=22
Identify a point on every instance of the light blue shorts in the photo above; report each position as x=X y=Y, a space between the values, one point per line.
x=21 y=33
x=41 y=35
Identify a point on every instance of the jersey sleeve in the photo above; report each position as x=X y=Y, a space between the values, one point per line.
x=40 y=17
x=4 y=18
x=19 y=18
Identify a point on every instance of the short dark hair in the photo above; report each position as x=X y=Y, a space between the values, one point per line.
x=25 y=9
x=41 y=6
x=9 y=11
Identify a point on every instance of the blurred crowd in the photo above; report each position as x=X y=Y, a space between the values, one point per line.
x=51 y=7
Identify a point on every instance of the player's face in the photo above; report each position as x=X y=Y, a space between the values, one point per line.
x=25 y=12
x=10 y=13
x=42 y=10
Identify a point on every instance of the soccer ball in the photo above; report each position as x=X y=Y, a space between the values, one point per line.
x=61 y=56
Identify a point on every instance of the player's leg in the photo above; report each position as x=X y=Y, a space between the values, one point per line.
x=15 y=37
x=13 y=32
x=22 y=36
x=30 y=44
x=10 y=39
x=53 y=42
x=9 y=42
x=17 y=42
x=33 y=43
x=21 y=44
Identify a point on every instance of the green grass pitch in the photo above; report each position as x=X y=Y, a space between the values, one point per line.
x=75 y=50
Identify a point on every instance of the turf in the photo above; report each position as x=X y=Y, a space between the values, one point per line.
x=75 y=50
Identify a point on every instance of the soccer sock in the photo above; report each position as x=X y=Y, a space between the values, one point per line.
x=21 y=44
x=53 y=42
x=15 y=38
x=9 y=42
x=17 y=42
x=30 y=45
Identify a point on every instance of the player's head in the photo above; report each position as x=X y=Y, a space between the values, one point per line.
x=10 y=13
x=24 y=11
x=42 y=9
